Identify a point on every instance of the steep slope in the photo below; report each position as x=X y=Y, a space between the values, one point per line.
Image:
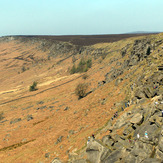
x=52 y=122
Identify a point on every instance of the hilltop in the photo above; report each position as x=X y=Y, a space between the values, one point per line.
x=53 y=122
x=82 y=40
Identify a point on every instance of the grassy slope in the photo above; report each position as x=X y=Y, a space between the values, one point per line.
x=86 y=116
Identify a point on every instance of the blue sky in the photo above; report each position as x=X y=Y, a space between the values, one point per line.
x=71 y=17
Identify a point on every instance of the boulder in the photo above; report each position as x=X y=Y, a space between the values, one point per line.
x=59 y=139
x=152 y=130
x=96 y=152
x=113 y=157
x=80 y=161
x=47 y=155
x=158 y=154
x=122 y=121
x=141 y=151
x=127 y=130
x=139 y=94
x=66 y=108
x=129 y=159
x=151 y=160
x=56 y=160
x=160 y=145
x=29 y=117
x=119 y=80
x=149 y=92
x=137 y=119
x=107 y=140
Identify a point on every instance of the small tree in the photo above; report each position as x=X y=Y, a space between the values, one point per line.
x=81 y=90
x=89 y=63
x=73 y=69
x=33 y=86
x=83 y=66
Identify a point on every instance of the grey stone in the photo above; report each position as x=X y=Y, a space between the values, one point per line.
x=119 y=80
x=159 y=154
x=66 y=108
x=47 y=155
x=96 y=152
x=113 y=157
x=71 y=132
x=40 y=102
x=56 y=160
x=41 y=108
x=107 y=140
x=151 y=160
x=29 y=117
x=137 y=118
x=50 y=107
x=59 y=139
x=80 y=161
x=27 y=107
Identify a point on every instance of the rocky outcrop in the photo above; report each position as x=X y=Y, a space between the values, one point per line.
x=136 y=136
x=128 y=147
x=141 y=49
x=114 y=74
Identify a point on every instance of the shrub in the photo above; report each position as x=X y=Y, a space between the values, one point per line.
x=33 y=86
x=73 y=59
x=83 y=66
x=73 y=69
x=89 y=63
x=85 y=69
x=23 y=69
x=85 y=76
x=103 y=55
x=81 y=90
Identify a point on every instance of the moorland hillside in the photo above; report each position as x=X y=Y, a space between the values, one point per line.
x=112 y=90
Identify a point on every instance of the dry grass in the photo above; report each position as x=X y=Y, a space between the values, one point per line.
x=85 y=116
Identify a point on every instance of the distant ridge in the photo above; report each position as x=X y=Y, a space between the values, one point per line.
x=84 y=40
x=143 y=32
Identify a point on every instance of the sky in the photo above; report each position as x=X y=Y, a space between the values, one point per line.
x=79 y=17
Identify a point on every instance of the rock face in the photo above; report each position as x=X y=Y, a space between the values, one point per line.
x=136 y=135
x=141 y=50
x=114 y=74
x=159 y=148
x=129 y=148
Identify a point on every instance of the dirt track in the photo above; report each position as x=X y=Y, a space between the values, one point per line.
x=40 y=91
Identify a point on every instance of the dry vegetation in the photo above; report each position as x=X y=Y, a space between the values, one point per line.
x=55 y=107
